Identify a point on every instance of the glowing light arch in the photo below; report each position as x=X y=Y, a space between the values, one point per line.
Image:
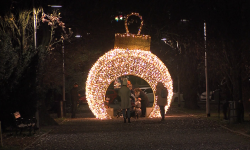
x=119 y=62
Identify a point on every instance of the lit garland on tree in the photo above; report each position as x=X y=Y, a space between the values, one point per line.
x=123 y=61
x=54 y=21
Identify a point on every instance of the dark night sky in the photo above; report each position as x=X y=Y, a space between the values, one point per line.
x=89 y=14
x=82 y=13
x=97 y=16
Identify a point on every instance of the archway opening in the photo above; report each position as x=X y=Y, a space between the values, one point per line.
x=113 y=100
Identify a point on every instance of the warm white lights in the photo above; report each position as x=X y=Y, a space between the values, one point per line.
x=132 y=41
x=126 y=22
x=119 y=62
x=55 y=6
x=78 y=36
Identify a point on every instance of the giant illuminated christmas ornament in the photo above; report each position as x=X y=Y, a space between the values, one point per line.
x=131 y=56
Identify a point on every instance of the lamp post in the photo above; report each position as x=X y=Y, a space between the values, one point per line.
x=55 y=6
x=178 y=77
x=63 y=70
x=62 y=103
x=206 y=75
x=34 y=24
x=34 y=16
x=64 y=36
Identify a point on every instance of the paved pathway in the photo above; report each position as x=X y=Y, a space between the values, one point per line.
x=178 y=131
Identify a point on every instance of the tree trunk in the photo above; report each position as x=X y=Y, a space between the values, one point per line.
x=23 y=40
x=189 y=82
x=237 y=94
x=44 y=117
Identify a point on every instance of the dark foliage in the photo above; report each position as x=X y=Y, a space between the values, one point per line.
x=19 y=93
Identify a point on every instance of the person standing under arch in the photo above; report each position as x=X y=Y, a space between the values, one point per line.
x=132 y=96
x=162 y=94
x=124 y=94
x=141 y=96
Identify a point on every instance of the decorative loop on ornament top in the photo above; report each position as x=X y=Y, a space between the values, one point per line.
x=132 y=41
x=126 y=22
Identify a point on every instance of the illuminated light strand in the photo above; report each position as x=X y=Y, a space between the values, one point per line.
x=126 y=22
x=119 y=62
x=133 y=35
x=132 y=41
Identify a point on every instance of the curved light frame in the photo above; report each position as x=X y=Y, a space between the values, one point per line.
x=118 y=62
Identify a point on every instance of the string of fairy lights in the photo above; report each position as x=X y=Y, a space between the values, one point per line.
x=122 y=61
x=126 y=22
x=133 y=35
x=119 y=62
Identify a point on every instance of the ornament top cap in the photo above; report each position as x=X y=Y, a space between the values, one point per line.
x=132 y=41
x=126 y=22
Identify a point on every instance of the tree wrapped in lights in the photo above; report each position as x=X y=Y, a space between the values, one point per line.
x=124 y=61
x=54 y=21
